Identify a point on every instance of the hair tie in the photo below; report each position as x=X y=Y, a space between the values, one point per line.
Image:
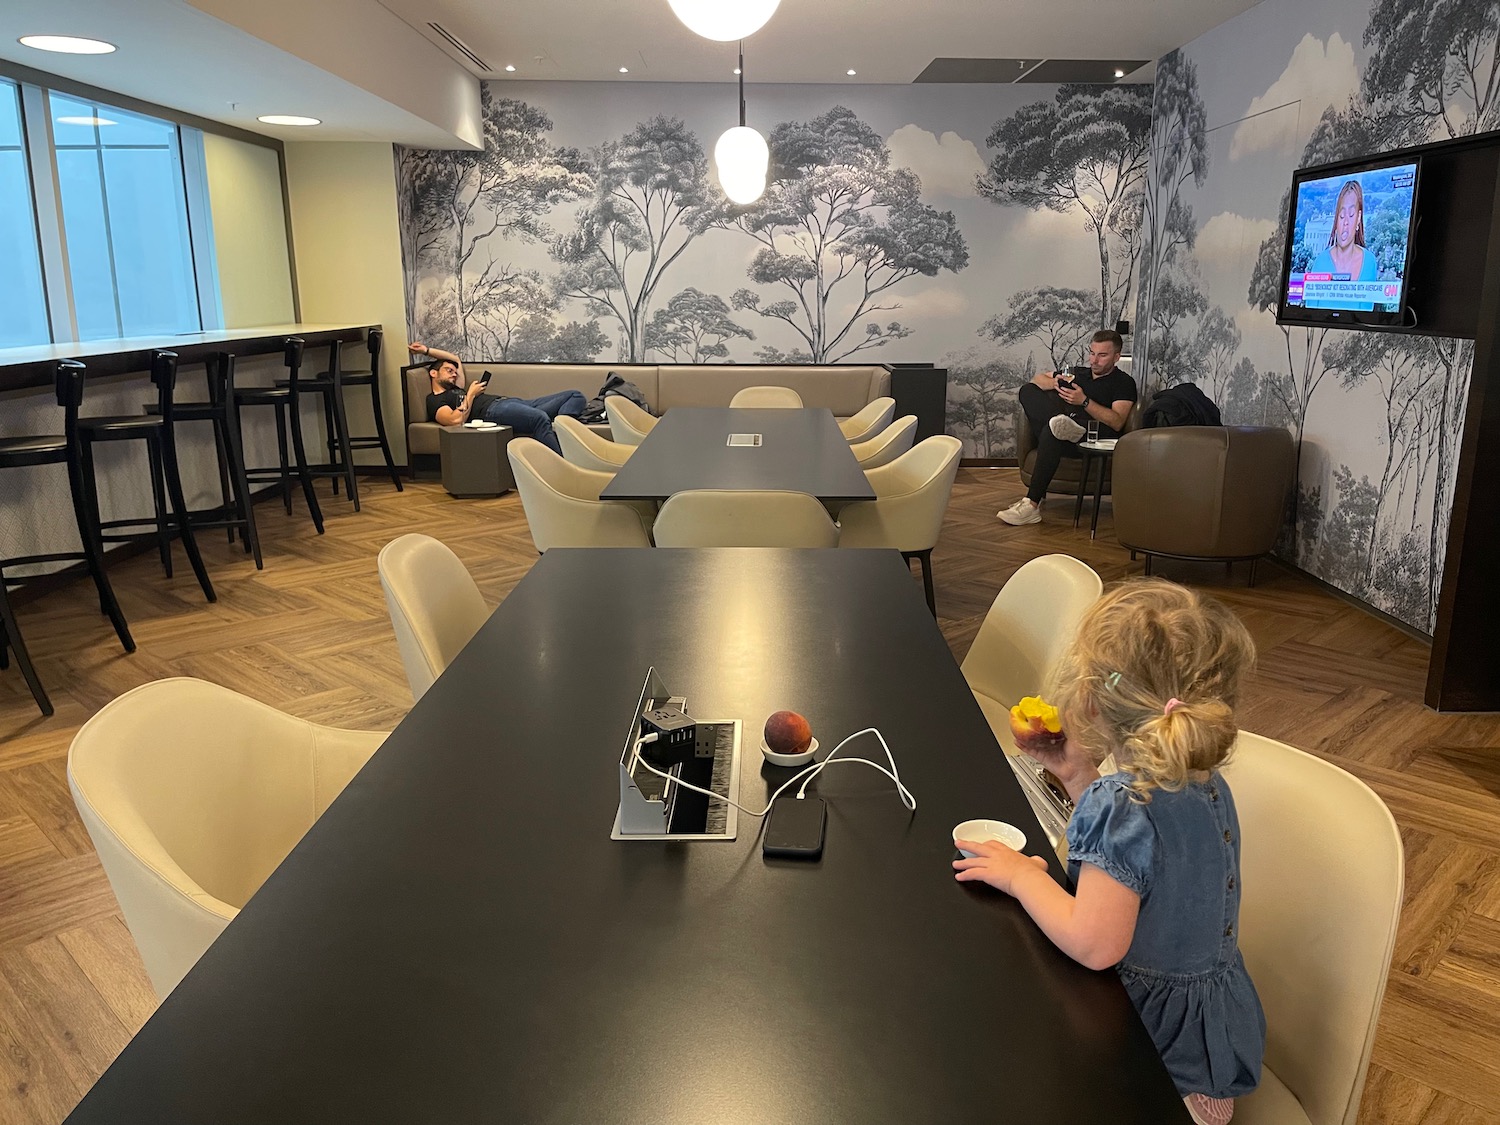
x=1112 y=681
x=1171 y=703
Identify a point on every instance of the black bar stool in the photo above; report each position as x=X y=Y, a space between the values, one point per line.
x=237 y=512
x=286 y=399
x=29 y=452
x=333 y=399
x=329 y=386
x=157 y=431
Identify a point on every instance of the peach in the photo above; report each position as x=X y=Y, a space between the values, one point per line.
x=788 y=733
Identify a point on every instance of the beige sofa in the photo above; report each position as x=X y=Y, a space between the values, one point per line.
x=843 y=389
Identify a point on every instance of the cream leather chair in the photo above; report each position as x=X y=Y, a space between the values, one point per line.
x=434 y=605
x=192 y=795
x=1322 y=867
x=562 y=503
x=720 y=518
x=767 y=398
x=869 y=421
x=887 y=445
x=628 y=423
x=581 y=446
x=1031 y=621
x=911 y=495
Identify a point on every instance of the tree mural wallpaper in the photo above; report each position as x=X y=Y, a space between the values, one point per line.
x=592 y=227
x=1377 y=417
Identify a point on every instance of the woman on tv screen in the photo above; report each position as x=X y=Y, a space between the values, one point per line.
x=1345 y=253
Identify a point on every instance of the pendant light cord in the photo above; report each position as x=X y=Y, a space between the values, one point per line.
x=742 y=82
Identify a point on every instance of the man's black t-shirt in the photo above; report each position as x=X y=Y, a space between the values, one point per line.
x=1108 y=389
x=455 y=399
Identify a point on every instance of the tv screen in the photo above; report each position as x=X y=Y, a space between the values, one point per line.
x=1347 y=245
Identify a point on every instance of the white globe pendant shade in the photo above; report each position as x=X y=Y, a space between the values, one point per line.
x=741 y=158
x=724 y=20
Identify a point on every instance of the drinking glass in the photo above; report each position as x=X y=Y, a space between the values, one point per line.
x=1091 y=431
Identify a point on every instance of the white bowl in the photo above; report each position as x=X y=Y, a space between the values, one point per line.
x=789 y=759
x=978 y=831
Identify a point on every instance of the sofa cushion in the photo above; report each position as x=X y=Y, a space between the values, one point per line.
x=845 y=390
x=533 y=380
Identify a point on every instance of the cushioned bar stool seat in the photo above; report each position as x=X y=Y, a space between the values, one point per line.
x=28 y=451
x=157 y=431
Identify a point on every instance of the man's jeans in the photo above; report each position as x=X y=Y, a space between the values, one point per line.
x=533 y=417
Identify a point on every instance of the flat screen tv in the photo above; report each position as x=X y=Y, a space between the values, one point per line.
x=1348 y=238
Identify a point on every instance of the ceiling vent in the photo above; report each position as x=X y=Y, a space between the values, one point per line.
x=461 y=47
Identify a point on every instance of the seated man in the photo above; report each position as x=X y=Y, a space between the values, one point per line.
x=1059 y=405
x=448 y=405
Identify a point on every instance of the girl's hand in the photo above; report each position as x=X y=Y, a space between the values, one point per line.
x=1066 y=760
x=994 y=863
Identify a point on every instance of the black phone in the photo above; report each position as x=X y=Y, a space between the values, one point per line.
x=795 y=828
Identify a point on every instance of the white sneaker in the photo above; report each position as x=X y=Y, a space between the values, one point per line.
x=1022 y=512
x=1065 y=429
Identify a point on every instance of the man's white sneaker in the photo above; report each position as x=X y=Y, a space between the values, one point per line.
x=1022 y=512
x=1065 y=429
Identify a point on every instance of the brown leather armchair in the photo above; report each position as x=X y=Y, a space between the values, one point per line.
x=1066 y=479
x=1203 y=492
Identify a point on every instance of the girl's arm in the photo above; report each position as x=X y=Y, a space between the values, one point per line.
x=1094 y=928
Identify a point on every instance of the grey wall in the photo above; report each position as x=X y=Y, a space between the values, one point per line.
x=904 y=223
x=1379 y=417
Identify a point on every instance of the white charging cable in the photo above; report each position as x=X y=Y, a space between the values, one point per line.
x=805 y=775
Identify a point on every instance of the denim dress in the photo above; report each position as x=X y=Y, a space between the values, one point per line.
x=1181 y=853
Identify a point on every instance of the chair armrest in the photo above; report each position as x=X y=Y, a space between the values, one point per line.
x=1024 y=444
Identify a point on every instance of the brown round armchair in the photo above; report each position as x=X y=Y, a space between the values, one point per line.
x=1203 y=492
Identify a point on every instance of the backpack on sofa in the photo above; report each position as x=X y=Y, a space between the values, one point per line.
x=593 y=411
x=1182 y=405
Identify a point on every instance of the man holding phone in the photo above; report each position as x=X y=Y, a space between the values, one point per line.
x=453 y=404
x=1059 y=405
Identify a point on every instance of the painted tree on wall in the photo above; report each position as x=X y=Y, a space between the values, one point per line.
x=694 y=327
x=1060 y=320
x=1178 y=146
x=839 y=226
x=1435 y=64
x=539 y=340
x=652 y=196
x=498 y=314
x=1215 y=346
x=1084 y=150
x=982 y=401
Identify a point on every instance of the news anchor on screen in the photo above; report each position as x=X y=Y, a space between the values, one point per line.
x=1345 y=253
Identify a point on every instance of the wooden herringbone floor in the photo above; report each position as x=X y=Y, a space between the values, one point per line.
x=310 y=635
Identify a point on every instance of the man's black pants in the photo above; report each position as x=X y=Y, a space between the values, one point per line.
x=1041 y=407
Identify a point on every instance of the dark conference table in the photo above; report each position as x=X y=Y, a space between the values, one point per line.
x=459 y=940
x=800 y=451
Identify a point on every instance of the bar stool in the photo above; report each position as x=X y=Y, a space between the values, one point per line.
x=286 y=399
x=237 y=512
x=32 y=451
x=374 y=340
x=157 y=431
x=329 y=386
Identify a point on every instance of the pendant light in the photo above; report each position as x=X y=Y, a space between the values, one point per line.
x=741 y=155
x=724 y=20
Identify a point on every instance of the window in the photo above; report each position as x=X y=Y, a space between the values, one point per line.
x=96 y=221
x=23 y=306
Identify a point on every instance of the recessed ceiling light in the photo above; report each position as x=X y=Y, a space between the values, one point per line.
x=85 y=121
x=509 y=69
x=67 y=44
x=850 y=73
x=1119 y=73
x=287 y=119
x=624 y=70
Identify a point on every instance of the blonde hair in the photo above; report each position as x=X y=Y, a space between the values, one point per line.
x=1142 y=645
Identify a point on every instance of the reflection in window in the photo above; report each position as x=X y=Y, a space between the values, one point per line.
x=23 y=309
x=124 y=214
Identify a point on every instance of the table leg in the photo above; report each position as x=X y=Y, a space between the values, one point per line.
x=1098 y=496
x=1083 y=484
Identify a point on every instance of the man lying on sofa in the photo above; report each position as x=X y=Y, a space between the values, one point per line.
x=449 y=405
x=1059 y=405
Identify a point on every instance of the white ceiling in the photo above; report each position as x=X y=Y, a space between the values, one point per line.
x=807 y=40
x=375 y=69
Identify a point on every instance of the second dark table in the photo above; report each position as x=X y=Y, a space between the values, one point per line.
x=800 y=451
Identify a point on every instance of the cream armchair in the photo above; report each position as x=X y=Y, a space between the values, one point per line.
x=628 y=423
x=1030 y=623
x=870 y=421
x=887 y=445
x=781 y=398
x=192 y=795
x=562 y=503
x=719 y=518
x=911 y=495
x=1322 y=867
x=581 y=446
x=435 y=607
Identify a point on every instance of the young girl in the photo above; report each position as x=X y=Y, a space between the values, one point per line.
x=1154 y=849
